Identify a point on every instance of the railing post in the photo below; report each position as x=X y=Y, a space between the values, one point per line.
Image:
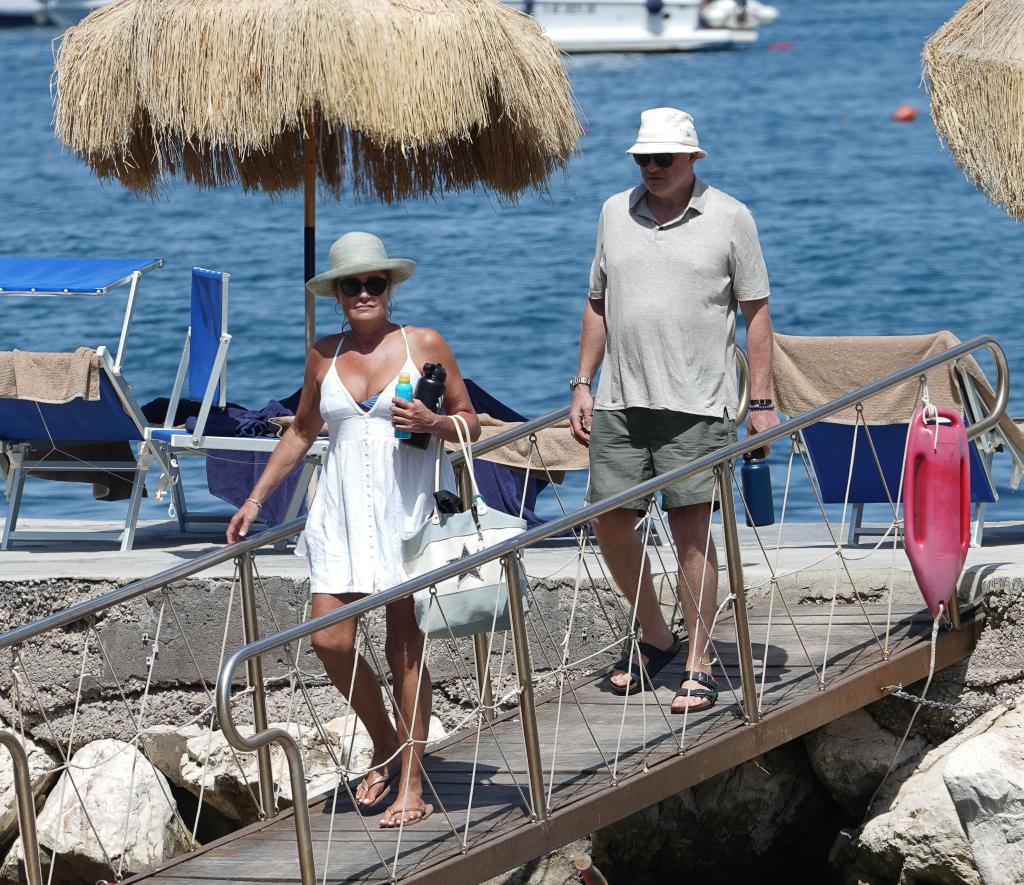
x=254 y=668
x=481 y=651
x=734 y=562
x=26 y=806
x=954 y=608
x=524 y=669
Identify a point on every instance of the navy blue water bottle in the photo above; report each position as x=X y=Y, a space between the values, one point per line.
x=756 y=480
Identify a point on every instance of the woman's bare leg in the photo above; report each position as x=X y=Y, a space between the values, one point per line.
x=404 y=650
x=335 y=646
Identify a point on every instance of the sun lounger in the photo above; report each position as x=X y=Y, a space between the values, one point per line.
x=61 y=433
x=203 y=367
x=810 y=371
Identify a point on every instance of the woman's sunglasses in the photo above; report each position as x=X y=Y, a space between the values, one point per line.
x=352 y=287
x=663 y=160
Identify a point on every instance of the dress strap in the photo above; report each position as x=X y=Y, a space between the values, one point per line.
x=408 y=353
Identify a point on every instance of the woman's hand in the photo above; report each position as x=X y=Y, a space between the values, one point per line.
x=244 y=517
x=414 y=417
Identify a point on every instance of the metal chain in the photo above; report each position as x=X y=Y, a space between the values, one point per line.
x=896 y=691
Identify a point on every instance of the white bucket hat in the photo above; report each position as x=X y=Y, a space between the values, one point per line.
x=667 y=131
x=359 y=252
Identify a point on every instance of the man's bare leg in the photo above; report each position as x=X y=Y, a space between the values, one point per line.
x=624 y=554
x=698 y=560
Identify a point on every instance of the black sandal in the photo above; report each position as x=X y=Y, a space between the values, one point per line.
x=708 y=693
x=642 y=675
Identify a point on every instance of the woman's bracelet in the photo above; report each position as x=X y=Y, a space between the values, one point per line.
x=257 y=502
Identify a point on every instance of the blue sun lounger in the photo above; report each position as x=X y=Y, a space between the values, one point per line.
x=202 y=378
x=41 y=437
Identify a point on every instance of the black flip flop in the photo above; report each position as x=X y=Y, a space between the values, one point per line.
x=642 y=675
x=708 y=693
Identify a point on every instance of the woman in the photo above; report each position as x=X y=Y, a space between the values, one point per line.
x=371 y=491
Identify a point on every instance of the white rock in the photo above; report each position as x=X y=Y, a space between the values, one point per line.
x=41 y=769
x=985 y=779
x=166 y=746
x=229 y=779
x=111 y=810
x=851 y=755
x=918 y=836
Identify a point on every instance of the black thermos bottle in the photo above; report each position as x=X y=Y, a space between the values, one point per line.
x=429 y=391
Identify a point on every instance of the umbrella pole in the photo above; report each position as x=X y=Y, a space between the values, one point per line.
x=309 y=245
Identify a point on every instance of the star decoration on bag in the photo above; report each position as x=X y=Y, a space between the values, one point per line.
x=475 y=572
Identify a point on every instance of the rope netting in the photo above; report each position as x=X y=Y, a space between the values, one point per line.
x=578 y=623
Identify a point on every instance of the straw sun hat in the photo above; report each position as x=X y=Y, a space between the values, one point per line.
x=359 y=252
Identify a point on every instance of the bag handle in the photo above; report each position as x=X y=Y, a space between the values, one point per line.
x=466 y=445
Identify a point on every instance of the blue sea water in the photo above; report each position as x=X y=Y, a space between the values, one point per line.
x=868 y=227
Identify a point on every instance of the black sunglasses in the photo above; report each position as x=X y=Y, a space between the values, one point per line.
x=352 y=287
x=663 y=160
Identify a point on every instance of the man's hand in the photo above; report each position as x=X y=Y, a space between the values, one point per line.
x=580 y=413
x=757 y=422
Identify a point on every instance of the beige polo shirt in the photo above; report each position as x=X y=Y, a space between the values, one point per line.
x=670 y=293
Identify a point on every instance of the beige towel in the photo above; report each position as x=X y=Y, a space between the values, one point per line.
x=810 y=371
x=50 y=377
x=558 y=451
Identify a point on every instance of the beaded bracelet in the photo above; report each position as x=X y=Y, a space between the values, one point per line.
x=762 y=405
x=258 y=503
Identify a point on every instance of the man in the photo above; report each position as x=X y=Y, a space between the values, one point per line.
x=674 y=257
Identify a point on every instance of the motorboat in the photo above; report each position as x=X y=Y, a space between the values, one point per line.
x=648 y=25
x=65 y=13
x=14 y=13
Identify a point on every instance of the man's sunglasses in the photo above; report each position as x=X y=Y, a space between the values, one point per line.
x=352 y=287
x=663 y=160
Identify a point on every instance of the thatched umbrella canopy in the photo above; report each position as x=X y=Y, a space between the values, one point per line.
x=975 y=69
x=396 y=98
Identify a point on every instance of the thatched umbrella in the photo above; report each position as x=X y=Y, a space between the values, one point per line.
x=975 y=69
x=396 y=98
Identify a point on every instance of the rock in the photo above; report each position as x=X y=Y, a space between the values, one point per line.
x=985 y=779
x=851 y=755
x=229 y=778
x=916 y=834
x=118 y=812
x=744 y=824
x=166 y=746
x=42 y=772
x=556 y=868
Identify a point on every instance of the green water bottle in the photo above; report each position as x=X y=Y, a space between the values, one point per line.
x=403 y=390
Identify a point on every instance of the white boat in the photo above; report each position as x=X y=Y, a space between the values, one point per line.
x=22 y=12
x=648 y=25
x=65 y=13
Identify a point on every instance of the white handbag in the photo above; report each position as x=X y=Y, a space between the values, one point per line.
x=477 y=600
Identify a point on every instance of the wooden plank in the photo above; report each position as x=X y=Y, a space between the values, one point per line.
x=499 y=832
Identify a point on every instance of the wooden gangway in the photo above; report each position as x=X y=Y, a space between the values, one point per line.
x=586 y=791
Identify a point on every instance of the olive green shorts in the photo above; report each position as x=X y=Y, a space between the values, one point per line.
x=631 y=446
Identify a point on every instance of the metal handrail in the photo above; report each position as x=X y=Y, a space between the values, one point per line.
x=508 y=550
x=242 y=552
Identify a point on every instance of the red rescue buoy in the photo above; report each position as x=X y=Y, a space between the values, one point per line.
x=937 y=503
x=905 y=113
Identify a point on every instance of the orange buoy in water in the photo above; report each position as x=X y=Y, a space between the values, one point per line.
x=905 y=113
x=937 y=502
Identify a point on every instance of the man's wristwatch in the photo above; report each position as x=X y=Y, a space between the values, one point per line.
x=579 y=379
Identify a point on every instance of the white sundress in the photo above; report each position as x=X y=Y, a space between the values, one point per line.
x=372 y=490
